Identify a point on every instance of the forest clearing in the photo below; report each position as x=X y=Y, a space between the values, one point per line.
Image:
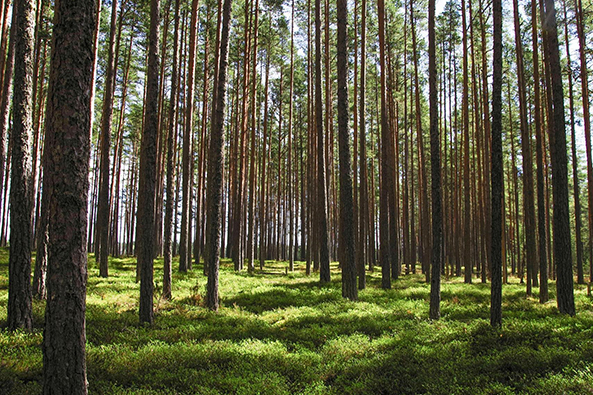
x=278 y=333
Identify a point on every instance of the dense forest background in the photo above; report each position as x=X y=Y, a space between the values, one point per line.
x=452 y=143
x=270 y=163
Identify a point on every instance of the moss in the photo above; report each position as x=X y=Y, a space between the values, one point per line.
x=279 y=333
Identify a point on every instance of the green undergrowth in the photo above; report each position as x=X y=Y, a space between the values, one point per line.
x=284 y=333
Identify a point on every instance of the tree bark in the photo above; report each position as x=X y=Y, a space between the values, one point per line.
x=574 y=160
x=528 y=196
x=19 y=265
x=558 y=156
x=66 y=175
x=587 y=122
x=215 y=162
x=540 y=155
x=347 y=237
x=435 y=162
x=324 y=271
x=102 y=225
x=171 y=146
x=467 y=235
x=7 y=80
x=386 y=170
x=185 y=262
x=364 y=199
x=496 y=172
x=147 y=175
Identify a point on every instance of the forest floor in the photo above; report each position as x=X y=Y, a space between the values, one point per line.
x=279 y=333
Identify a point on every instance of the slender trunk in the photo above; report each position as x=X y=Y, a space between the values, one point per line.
x=424 y=228
x=324 y=271
x=558 y=156
x=5 y=103
x=467 y=237
x=347 y=231
x=575 y=177
x=364 y=198
x=102 y=225
x=215 y=163
x=386 y=170
x=19 y=266
x=496 y=172
x=528 y=198
x=487 y=145
x=435 y=161
x=587 y=122
x=185 y=262
x=198 y=241
x=171 y=145
x=147 y=177
x=263 y=180
x=539 y=142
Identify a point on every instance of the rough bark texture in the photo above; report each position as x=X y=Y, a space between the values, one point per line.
x=215 y=165
x=147 y=175
x=68 y=148
x=19 y=265
x=364 y=203
x=541 y=199
x=386 y=170
x=435 y=163
x=102 y=226
x=40 y=271
x=575 y=164
x=185 y=262
x=496 y=172
x=324 y=272
x=5 y=101
x=587 y=122
x=467 y=229
x=171 y=146
x=528 y=194
x=558 y=156
x=347 y=239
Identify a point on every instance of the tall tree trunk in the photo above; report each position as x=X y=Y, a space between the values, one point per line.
x=467 y=237
x=19 y=264
x=7 y=72
x=102 y=225
x=424 y=228
x=4 y=38
x=528 y=198
x=386 y=170
x=215 y=162
x=540 y=155
x=147 y=175
x=237 y=233
x=435 y=162
x=66 y=175
x=364 y=198
x=185 y=263
x=558 y=156
x=587 y=122
x=262 y=208
x=575 y=177
x=171 y=146
x=497 y=172
x=487 y=143
x=199 y=237
x=290 y=153
x=347 y=236
x=324 y=271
